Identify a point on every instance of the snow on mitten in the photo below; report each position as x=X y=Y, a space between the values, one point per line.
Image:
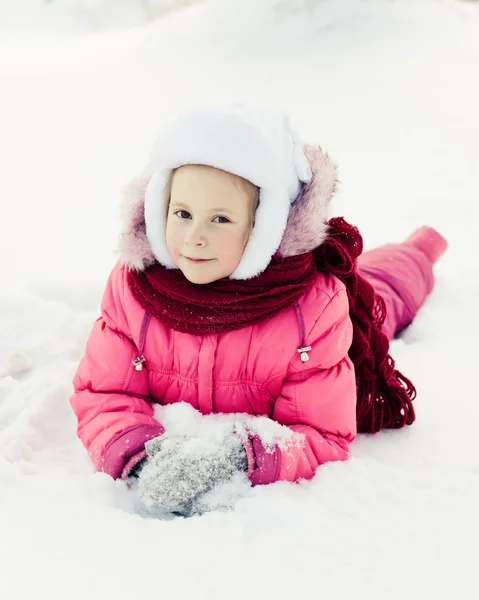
x=180 y=469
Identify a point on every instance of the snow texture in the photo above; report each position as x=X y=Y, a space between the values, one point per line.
x=181 y=419
x=59 y=18
x=390 y=90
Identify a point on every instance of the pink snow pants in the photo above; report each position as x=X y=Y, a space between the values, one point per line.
x=402 y=274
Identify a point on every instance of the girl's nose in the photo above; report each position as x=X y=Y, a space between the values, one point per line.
x=195 y=237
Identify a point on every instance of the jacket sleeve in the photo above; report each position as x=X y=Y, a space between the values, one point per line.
x=318 y=399
x=111 y=399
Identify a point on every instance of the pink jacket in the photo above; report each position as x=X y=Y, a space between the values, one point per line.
x=256 y=370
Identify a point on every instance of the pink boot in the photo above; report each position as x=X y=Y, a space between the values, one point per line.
x=429 y=241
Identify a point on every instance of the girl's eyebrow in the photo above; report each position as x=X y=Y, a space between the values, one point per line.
x=213 y=210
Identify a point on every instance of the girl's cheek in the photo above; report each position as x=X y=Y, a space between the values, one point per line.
x=173 y=236
x=234 y=241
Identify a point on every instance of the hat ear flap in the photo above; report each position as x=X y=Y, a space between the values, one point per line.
x=270 y=223
x=156 y=212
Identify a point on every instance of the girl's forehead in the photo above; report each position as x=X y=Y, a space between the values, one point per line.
x=206 y=180
x=207 y=173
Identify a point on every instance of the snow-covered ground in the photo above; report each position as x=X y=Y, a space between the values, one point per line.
x=60 y=18
x=391 y=90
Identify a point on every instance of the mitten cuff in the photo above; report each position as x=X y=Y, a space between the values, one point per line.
x=126 y=445
x=134 y=460
x=248 y=446
x=267 y=462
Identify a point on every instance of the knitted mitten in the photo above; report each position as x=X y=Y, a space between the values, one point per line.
x=181 y=469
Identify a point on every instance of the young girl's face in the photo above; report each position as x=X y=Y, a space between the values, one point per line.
x=209 y=222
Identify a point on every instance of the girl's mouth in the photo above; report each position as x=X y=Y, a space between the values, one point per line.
x=198 y=260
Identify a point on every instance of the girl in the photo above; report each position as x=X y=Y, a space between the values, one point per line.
x=235 y=294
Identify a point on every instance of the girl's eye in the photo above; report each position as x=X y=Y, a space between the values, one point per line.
x=221 y=220
x=183 y=214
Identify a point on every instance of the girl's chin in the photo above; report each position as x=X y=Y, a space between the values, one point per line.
x=198 y=280
x=203 y=278
x=195 y=275
x=199 y=273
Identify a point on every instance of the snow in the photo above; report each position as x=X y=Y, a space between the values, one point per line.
x=60 y=18
x=182 y=419
x=390 y=89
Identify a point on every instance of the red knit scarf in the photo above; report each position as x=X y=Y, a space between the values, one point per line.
x=384 y=395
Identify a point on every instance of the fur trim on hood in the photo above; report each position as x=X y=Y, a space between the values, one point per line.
x=305 y=230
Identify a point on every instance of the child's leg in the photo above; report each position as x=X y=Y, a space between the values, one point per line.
x=402 y=275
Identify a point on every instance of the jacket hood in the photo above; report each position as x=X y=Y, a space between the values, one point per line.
x=306 y=226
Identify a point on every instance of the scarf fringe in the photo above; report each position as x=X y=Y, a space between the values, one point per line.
x=384 y=395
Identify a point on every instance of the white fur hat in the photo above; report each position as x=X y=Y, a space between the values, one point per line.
x=255 y=143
